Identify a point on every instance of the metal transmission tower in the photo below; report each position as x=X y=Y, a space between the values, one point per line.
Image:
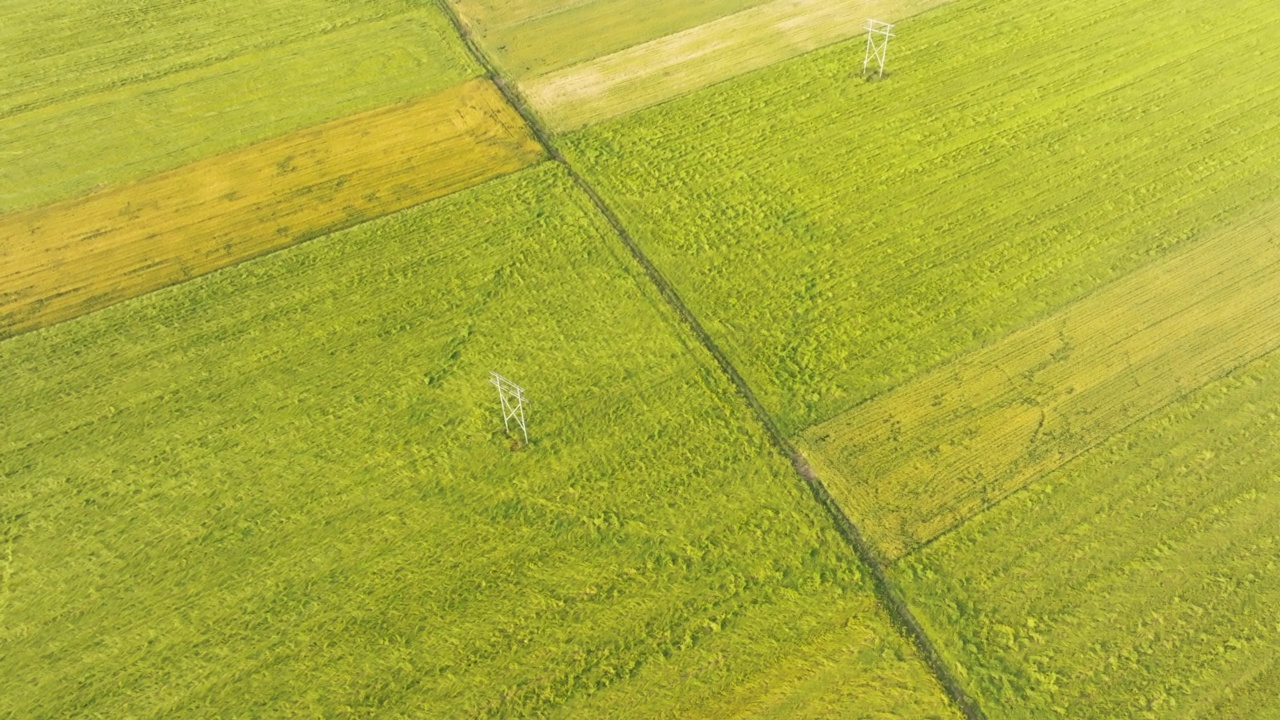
x=511 y=396
x=878 y=34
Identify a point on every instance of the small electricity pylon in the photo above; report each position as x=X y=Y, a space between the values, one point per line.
x=511 y=396
x=878 y=34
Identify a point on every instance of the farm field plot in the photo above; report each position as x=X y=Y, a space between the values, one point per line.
x=840 y=237
x=56 y=51
x=924 y=457
x=200 y=88
x=1138 y=581
x=63 y=260
x=284 y=489
x=527 y=38
x=682 y=62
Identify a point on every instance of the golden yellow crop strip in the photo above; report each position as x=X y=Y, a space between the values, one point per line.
x=66 y=259
x=917 y=461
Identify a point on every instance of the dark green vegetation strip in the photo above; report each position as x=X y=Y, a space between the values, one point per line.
x=885 y=591
x=283 y=489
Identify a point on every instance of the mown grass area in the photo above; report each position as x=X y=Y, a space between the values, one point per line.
x=839 y=237
x=283 y=489
x=924 y=457
x=1140 y=581
x=200 y=79
x=84 y=254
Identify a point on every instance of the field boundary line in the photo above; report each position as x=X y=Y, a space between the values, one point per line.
x=886 y=592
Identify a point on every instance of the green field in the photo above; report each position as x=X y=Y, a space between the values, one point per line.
x=204 y=78
x=283 y=489
x=1140 y=581
x=532 y=37
x=682 y=62
x=1013 y=311
x=838 y=237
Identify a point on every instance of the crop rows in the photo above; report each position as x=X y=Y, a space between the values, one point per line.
x=1139 y=581
x=527 y=38
x=928 y=455
x=838 y=237
x=651 y=72
x=124 y=132
x=57 y=51
x=70 y=258
x=284 y=489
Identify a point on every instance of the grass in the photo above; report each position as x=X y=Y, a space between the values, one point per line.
x=64 y=260
x=202 y=78
x=839 y=237
x=658 y=70
x=54 y=52
x=923 y=458
x=533 y=37
x=283 y=489
x=1138 y=581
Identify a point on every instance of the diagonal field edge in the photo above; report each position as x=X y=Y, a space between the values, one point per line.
x=1085 y=450
x=885 y=591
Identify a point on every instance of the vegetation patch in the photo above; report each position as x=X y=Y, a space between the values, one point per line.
x=284 y=489
x=526 y=38
x=685 y=61
x=1140 y=580
x=926 y=456
x=74 y=257
x=180 y=110
x=838 y=237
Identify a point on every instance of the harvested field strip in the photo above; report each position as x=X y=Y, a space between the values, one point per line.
x=92 y=142
x=1138 y=581
x=912 y=463
x=682 y=62
x=533 y=38
x=67 y=259
x=55 y=51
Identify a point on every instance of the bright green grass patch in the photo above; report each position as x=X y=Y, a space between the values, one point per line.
x=838 y=237
x=284 y=490
x=1139 y=581
x=70 y=147
x=531 y=38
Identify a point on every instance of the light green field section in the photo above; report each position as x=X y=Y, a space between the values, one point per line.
x=284 y=490
x=922 y=458
x=533 y=37
x=838 y=237
x=140 y=119
x=680 y=63
x=54 y=51
x=1140 y=581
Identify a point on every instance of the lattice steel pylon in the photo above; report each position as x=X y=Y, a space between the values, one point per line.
x=512 y=398
x=878 y=34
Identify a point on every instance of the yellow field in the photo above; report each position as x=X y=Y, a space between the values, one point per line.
x=915 y=462
x=715 y=51
x=70 y=258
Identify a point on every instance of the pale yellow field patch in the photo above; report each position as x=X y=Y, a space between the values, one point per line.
x=921 y=459
x=66 y=259
x=685 y=61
